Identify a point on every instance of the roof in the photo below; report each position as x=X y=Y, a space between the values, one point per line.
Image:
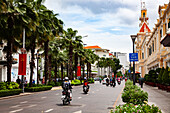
x=92 y=47
x=144 y=28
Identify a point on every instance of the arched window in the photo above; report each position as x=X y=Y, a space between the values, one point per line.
x=144 y=15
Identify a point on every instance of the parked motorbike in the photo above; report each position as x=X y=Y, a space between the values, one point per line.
x=66 y=97
x=107 y=83
x=86 y=89
x=111 y=84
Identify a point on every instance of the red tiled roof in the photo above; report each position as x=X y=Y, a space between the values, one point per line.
x=144 y=28
x=92 y=47
x=110 y=54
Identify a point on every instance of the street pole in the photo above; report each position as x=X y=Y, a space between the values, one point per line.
x=133 y=37
x=37 y=67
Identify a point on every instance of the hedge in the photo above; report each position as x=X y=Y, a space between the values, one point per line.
x=10 y=92
x=37 y=89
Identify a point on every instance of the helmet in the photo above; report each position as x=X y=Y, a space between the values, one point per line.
x=66 y=78
x=85 y=78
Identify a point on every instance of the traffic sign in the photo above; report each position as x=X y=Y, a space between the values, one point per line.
x=133 y=57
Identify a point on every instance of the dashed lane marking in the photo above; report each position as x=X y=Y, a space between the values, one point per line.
x=43 y=97
x=56 y=94
x=23 y=102
x=32 y=105
x=78 y=111
x=48 y=110
x=79 y=97
x=15 y=106
x=15 y=110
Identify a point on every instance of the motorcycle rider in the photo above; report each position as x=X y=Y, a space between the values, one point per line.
x=85 y=83
x=66 y=85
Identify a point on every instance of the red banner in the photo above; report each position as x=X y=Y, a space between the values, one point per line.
x=22 y=64
x=78 y=70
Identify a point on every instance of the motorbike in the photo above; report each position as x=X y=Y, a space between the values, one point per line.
x=66 y=97
x=111 y=84
x=107 y=83
x=86 y=89
x=114 y=84
x=118 y=81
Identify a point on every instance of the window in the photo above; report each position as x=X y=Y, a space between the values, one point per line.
x=142 y=55
x=161 y=33
x=153 y=46
x=144 y=15
x=169 y=23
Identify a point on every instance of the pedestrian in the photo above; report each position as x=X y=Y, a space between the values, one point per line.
x=25 y=81
x=141 y=80
x=19 y=82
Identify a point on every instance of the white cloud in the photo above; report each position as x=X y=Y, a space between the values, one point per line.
x=108 y=23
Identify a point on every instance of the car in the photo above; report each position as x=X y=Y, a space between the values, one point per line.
x=104 y=81
x=96 y=79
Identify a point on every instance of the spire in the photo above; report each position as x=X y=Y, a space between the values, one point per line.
x=143 y=17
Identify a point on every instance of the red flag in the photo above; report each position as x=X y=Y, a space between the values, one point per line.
x=22 y=64
x=78 y=70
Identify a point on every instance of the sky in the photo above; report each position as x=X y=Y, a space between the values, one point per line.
x=106 y=23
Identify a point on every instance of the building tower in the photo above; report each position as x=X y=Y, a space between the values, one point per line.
x=143 y=17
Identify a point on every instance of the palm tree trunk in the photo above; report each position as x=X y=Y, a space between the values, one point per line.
x=76 y=63
x=90 y=70
x=50 y=68
x=62 y=72
x=32 y=65
x=70 y=61
x=67 y=70
x=83 y=71
x=46 y=61
x=9 y=49
x=87 y=70
x=55 y=73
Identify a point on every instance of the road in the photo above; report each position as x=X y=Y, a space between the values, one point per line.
x=99 y=100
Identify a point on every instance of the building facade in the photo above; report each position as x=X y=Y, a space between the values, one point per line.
x=151 y=53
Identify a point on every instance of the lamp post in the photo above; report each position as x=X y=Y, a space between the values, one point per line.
x=37 y=56
x=133 y=37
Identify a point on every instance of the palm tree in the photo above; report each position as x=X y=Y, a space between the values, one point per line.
x=14 y=15
x=69 y=42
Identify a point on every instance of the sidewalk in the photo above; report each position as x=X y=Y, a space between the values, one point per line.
x=156 y=96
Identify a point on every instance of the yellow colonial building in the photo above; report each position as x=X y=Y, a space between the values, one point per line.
x=153 y=47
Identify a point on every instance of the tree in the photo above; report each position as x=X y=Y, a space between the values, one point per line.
x=14 y=16
x=165 y=76
x=117 y=65
x=160 y=75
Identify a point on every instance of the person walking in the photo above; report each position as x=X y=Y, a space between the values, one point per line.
x=19 y=82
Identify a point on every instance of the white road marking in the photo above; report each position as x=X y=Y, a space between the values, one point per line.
x=23 y=102
x=79 y=97
x=78 y=111
x=15 y=106
x=48 y=110
x=15 y=110
x=43 y=97
x=56 y=94
x=32 y=105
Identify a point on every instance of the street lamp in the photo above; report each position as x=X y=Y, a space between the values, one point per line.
x=133 y=37
x=37 y=57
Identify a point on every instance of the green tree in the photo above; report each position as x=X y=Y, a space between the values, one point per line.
x=160 y=75
x=165 y=76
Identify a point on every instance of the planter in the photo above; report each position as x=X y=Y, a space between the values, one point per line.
x=168 y=89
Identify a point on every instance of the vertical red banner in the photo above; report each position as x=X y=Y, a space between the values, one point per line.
x=78 y=70
x=22 y=64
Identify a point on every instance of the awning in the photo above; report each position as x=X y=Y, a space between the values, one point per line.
x=166 y=41
x=4 y=62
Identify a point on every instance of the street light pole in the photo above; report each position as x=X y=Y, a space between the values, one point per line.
x=37 y=67
x=133 y=37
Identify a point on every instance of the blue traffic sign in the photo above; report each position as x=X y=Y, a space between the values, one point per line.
x=133 y=57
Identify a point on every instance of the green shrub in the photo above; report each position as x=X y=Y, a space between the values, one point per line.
x=2 y=85
x=10 y=92
x=133 y=94
x=75 y=82
x=165 y=76
x=58 y=84
x=51 y=83
x=130 y=108
x=91 y=80
x=160 y=75
x=36 y=89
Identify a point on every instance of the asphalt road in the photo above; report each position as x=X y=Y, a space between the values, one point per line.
x=100 y=99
